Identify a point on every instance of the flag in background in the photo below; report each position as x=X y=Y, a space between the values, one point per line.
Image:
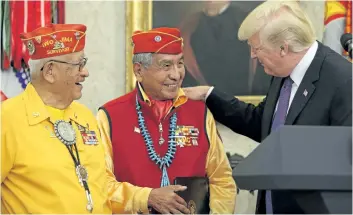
x=348 y=28
x=18 y=17
x=338 y=20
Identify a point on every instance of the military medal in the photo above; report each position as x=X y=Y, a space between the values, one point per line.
x=89 y=137
x=67 y=135
x=187 y=136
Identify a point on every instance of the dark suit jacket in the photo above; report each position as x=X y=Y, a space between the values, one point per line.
x=328 y=82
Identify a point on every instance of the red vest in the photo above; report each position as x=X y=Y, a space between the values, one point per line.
x=131 y=161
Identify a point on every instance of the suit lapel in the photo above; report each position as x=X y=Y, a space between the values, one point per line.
x=307 y=87
x=271 y=101
x=302 y=96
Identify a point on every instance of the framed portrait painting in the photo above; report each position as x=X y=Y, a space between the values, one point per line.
x=213 y=54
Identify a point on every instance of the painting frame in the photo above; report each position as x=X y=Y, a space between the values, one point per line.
x=138 y=16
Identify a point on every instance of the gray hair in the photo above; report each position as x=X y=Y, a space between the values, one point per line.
x=35 y=67
x=145 y=59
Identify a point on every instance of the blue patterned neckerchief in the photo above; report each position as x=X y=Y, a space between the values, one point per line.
x=165 y=161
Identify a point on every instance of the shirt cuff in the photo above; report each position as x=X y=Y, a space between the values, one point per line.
x=209 y=92
x=141 y=199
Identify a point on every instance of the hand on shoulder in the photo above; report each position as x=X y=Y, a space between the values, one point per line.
x=197 y=93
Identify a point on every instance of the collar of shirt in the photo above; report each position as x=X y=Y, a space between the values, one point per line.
x=224 y=8
x=37 y=111
x=178 y=101
x=299 y=71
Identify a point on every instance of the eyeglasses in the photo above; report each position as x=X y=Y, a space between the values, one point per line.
x=81 y=64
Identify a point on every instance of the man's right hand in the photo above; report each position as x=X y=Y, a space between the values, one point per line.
x=196 y=93
x=166 y=201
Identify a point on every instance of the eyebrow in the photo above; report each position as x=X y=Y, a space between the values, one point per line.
x=171 y=61
x=165 y=61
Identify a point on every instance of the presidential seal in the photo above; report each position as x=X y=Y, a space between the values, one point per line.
x=65 y=132
x=192 y=207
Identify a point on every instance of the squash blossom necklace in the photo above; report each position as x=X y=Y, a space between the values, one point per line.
x=165 y=161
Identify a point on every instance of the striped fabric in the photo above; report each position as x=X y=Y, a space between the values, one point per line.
x=348 y=28
x=338 y=18
x=18 y=16
x=24 y=16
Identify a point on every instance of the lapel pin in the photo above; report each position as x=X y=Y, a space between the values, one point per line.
x=35 y=114
x=305 y=93
x=137 y=130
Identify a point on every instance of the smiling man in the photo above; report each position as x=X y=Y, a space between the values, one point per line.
x=48 y=165
x=155 y=134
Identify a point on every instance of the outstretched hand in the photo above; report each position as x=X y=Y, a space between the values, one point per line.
x=196 y=93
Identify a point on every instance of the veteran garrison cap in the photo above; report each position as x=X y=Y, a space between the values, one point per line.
x=158 y=40
x=54 y=40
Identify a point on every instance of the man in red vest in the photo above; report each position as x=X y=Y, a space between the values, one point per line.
x=155 y=134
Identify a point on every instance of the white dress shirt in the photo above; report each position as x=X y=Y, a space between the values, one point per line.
x=299 y=71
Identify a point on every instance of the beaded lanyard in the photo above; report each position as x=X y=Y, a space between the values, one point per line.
x=166 y=161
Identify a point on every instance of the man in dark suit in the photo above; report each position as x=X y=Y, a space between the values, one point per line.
x=311 y=85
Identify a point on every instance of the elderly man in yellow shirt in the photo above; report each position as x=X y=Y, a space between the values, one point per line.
x=52 y=159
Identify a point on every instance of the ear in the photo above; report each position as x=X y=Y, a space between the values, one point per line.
x=138 y=71
x=284 y=49
x=48 y=73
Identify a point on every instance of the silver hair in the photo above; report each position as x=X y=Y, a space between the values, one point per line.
x=145 y=59
x=35 y=67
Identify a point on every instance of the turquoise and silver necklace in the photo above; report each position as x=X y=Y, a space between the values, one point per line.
x=162 y=162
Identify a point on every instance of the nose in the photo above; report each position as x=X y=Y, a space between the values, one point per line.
x=175 y=73
x=84 y=72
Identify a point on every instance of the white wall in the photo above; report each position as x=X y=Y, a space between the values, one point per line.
x=105 y=48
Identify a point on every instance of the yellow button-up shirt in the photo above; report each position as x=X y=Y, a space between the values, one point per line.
x=127 y=198
x=37 y=171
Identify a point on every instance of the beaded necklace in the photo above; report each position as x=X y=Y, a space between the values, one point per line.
x=165 y=161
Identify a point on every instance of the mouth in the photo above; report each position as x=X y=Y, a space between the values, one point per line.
x=79 y=83
x=171 y=85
